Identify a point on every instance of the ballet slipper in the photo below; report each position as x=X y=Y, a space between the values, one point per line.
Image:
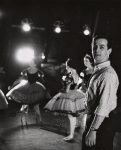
x=68 y=138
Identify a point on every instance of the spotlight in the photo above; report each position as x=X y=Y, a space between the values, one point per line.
x=43 y=56
x=57 y=29
x=86 y=30
x=26 y=24
x=58 y=26
x=26 y=27
x=25 y=54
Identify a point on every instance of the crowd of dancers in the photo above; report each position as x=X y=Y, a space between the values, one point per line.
x=87 y=97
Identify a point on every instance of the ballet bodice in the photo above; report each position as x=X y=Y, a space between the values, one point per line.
x=33 y=77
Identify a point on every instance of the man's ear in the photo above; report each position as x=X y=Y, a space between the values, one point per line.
x=109 y=51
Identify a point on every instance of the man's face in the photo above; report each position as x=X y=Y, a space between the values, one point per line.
x=100 y=51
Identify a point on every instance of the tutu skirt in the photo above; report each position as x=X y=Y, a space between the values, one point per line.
x=3 y=101
x=73 y=102
x=29 y=93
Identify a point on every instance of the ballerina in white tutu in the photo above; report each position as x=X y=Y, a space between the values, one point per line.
x=30 y=91
x=70 y=101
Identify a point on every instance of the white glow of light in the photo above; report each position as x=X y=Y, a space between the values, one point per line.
x=86 y=32
x=26 y=27
x=43 y=56
x=57 y=29
x=25 y=55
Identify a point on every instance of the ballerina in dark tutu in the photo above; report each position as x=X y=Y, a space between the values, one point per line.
x=70 y=100
x=28 y=90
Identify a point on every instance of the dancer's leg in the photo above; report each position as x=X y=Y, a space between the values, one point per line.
x=72 y=128
x=24 y=108
x=82 y=120
x=24 y=115
x=37 y=113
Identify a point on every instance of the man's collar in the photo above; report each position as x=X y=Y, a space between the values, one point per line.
x=104 y=64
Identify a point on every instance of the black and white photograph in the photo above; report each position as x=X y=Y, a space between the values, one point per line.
x=60 y=75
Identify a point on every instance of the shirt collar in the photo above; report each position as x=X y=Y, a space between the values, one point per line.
x=104 y=64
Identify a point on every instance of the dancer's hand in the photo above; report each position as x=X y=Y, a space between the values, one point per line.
x=90 y=139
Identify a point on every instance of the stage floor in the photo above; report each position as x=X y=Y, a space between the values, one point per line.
x=48 y=136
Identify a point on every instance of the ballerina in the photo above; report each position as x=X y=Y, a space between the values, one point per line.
x=85 y=76
x=72 y=101
x=30 y=91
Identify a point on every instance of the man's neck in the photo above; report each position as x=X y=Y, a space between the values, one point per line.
x=100 y=62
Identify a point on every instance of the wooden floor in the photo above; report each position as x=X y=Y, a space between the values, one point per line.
x=49 y=136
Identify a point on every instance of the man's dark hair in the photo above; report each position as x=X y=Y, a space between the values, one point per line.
x=103 y=37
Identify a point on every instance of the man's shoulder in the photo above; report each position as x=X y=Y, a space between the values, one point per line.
x=105 y=72
x=108 y=70
x=108 y=73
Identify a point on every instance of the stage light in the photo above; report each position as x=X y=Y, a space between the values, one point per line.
x=58 y=26
x=43 y=56
x=26 y=24
x=86 y=32
x=25 y=54
x=86 y=29
x=57 y=29
x=26 y=27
